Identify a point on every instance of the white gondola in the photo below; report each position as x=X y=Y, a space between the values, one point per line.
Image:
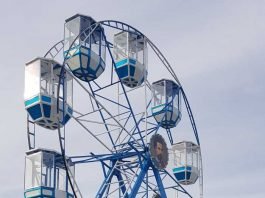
x=166 y=107
x=86 y=54
x=186 y=162
x=40 y=95
x=130 y=54
x=45 y=175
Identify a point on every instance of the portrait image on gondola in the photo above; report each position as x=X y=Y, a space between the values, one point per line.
x=158 y=151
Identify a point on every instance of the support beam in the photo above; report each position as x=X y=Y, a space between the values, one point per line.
x=106 y=182
x=159 y=183
x=140 y=179
x=121 y=184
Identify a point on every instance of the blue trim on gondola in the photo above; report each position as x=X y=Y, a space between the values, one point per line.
x=158 y=106
x=70 y=110
x=69 y=55
x=182 y=168
x=123 y=71
x=183 y=176
x=85 y=72
x=168 y=111
x=46 y=110
x=182 y=173
x=66 y=119
x=32 y=100
x=132 y=70
x=132 y=61
x=125 y=62
x=121 y=63
x=40 y=192
x=46 y=99
x=35 y=111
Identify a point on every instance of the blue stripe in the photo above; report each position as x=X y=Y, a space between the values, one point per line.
x=75 y=48
x=40 y=190
x=125 y=61
x=32 y=100
x=121 y=63
x=32 y=189
x=122 y=71
x=132 y=61
x=182 y=169
x=46 y=99
x=158 y=106
x=46 y=110
x=70 y=110
x=35 y=111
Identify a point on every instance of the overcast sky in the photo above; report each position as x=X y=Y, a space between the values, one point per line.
x=217 y=49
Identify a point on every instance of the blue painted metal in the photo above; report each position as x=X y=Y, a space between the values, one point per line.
x=140 y=179
x=123 y=89
x=190 y=116
x=121 y=184
x=136 y=131
x=96 y=84
x=183 y=175
x=31 y=133
x=46 y=99
x=87 y=29
x=66 y=54
x=183 y=189
x=40 y=110
x=47 y=110
x=121 y=63
x=85 y=72
x=159 y=183
x=113 y=171
x=105 y=183
x=102 y=117
x=112 y=101
x=61 y=133
x=106 y=86
x=105 y=157
x=35 y=112
x=123 y=113
x=183 y=168
x=41 y=192
x=169 y=107
x=170 y=136
x=137 y=124
x=31 y=101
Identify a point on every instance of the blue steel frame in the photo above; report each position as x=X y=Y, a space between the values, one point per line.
x=129 y=148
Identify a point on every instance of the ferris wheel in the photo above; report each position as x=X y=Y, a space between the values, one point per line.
x=109 y=81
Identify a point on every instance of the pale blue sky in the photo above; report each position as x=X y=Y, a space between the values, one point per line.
x=217 y=49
